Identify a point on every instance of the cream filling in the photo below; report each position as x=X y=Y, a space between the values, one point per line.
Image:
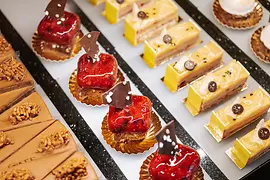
x=238 y=7
x=265 y=36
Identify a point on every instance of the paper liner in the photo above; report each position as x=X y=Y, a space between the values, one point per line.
x=132 y=147
x=54 y=57
x=144 y=173
x=258 y=48
x=92 y=97
x=238 y=23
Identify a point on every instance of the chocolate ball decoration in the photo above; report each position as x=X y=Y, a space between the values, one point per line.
x=212 y=86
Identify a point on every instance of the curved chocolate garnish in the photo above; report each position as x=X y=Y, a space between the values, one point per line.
x=166 y=139
x=118 y=96
x=263 y=133
x=89 y=44
x=142 y=15
x=56 y=8
x=212 y=86
x=120 y=1
x=189 y=65
x=237 y=109
x=167 y=39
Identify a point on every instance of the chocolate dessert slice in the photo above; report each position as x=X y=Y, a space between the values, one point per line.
x=30 y=110
x=19 y=137
x=10 y=98
x=44 y=153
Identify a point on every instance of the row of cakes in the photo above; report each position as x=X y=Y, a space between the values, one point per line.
x=32 y=144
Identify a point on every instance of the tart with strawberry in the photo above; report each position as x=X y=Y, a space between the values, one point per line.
x=58 y=33
x=172 y=161
x=96 y=73
x=130 y=124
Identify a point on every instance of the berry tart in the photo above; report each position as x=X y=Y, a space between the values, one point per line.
x=96 y=73
x=238 y=14
x=58 y=33
x=172 y=161
x=130 y=124
x=260 y=43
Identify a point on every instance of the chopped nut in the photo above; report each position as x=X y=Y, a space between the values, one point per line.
x=17 y=174
x=12 y=69
x=27 y=111
x=4 y=46
x=75 y=169
x=53 y=141
x=4 y=140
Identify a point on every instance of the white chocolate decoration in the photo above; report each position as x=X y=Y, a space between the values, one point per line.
x=265 y=36
x=238 y=7
x=255 y=137
x=229 y=111
x=204 y=87
x=135 y=10
x=180 y=64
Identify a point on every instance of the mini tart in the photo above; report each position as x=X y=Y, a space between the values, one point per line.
x=89 y=96
x=258 y=48
x=235 y=21
x=143 y=143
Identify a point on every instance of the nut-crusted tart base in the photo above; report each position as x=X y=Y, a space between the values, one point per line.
x=41 y=48
x=258 y=48
x=132 y=146
x=87 y=95
x=144 y=173
x=238 y=22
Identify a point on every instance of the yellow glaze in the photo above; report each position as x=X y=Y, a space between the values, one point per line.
x=183 y=36
x=161 y=10
x=113 y=9
x=247 y=149
x=207 y=58
x=228 y=78
x=224 y=123
x=96 y=2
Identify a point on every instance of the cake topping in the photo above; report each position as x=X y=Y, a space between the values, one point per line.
x=53 y=141
x=142 y=15
x=237 y=109
x=180 y=65
x=263 y=133
x=89 y=43
x=212 y=86
x=11 y=69
x=167 y=39
x=256 y=136
x=205 y=84
x=120 y=1
x=4 y=46
x=135 y=11
x=189 y=65
x=56 y=8
x=265 y=38
x=119 y=96
x=17 y=174
x=27 y=111
x=74 y=169
x=166 y=139
x=4 y=140
x=238 y=7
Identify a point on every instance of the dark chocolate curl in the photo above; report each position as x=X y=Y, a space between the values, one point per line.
x=56 y=8
x=118 y=96
x=89 y=44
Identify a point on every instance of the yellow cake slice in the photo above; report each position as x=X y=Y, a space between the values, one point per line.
x=239 y=114
x=116 y=9
x=148 y=21
x=170 y=43
x=96 y=2
x=251 y=146
x=204 y=60
x=216 y=86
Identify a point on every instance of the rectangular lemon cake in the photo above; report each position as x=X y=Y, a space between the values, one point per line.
x=204 y=60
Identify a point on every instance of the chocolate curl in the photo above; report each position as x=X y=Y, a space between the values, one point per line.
x=166 y=139
x=89 y=44
x=118 y=96
x=56 y=8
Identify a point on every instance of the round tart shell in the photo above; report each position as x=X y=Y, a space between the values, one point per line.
x=144 y=173
x=132 y=147
x=54 y=56
x=238 y=22
x=89 y=96
x=258 y=48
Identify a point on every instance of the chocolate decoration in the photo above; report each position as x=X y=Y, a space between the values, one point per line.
x=189 y=65
x=142 y=15
x=166 y=139
x=120 y=1
x=118 y=96
x=89 y=44
x=56 y=8
x=212 y=86
x=263 y=133
x=237 y=109
x=167 y=39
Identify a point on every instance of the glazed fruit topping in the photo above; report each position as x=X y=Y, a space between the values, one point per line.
x=135 y=118
x=101 y=74
x=181 y=166
x=61 y=31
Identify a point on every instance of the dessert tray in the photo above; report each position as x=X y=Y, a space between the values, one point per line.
x=84 y=121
